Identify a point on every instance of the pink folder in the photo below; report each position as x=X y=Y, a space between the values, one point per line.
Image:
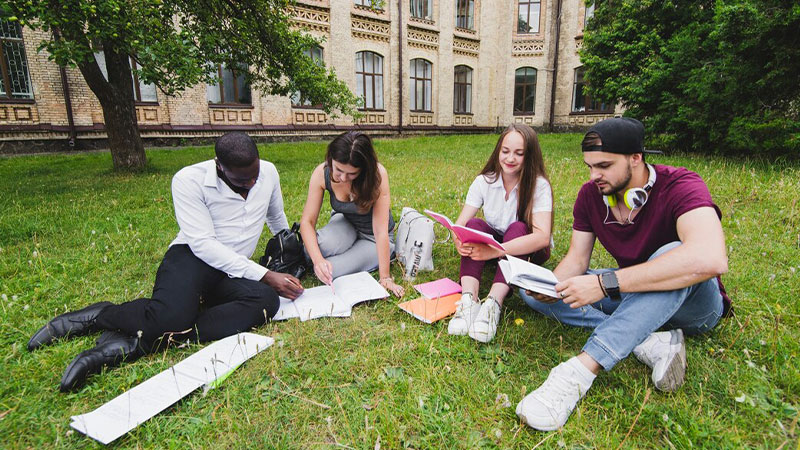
x=438 y=288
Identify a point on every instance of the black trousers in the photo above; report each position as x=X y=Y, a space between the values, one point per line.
x=191 y=301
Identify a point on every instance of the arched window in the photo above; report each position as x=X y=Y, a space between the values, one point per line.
x=581 y=100
x=524 y=90
x=369 y=79
x=421 y=85
x=298 y=99
x=462 y=90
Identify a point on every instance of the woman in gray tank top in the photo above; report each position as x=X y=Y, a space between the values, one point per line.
x=358 y=236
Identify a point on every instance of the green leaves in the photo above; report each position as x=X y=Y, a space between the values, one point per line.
x=708 y=76
x=174 y=40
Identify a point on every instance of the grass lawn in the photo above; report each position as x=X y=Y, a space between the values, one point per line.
x=72 y=232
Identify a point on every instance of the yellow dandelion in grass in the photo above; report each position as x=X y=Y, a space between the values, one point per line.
x=519 y=322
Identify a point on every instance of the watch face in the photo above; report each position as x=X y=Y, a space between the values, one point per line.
x=610 y=280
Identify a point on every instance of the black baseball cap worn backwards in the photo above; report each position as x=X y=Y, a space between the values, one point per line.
x=623 y=135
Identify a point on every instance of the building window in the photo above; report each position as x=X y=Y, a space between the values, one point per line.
x=369 y=79
x=583 y=102
x=528 y=16
x=15 y=82
x=421 y=83
x=364 y=3
x=465 y=14
x=588 y=14
x=462 y=90
x=142 y=92
x=231 y=87
x=422 y=9
x=298 y=101
x=525 y=90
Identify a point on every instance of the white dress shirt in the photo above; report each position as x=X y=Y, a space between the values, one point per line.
x=220 y=227
x=499 y=212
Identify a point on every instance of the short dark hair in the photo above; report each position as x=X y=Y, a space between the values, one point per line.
x=236 y=149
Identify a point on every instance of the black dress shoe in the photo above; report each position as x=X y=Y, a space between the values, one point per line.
x=75 y=323
x=112 y=349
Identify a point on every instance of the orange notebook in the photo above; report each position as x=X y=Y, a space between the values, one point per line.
x=430 y=310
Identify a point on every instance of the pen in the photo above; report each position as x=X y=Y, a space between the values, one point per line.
x=293 y=283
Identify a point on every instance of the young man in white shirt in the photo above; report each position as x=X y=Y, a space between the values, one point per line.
x=221 y=206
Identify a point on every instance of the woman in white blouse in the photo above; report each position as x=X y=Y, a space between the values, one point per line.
x=517 y=202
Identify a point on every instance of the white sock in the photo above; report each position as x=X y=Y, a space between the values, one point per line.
x=586 y=375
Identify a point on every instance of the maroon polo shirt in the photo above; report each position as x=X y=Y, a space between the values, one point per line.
x=675 y=192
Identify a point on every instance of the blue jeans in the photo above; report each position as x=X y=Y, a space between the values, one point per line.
x=621 y=326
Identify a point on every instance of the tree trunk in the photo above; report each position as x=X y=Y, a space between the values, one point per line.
x=115 y=93
x=124 y=141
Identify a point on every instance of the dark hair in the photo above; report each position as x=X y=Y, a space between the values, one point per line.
x=532 y=168
x=355 y=149
x=236 y=149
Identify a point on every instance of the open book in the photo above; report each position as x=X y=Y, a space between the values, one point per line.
x=465 y=234
x=528 y=276
x=324 y=301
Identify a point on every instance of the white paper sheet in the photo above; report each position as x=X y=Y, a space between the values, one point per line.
x=130 y=409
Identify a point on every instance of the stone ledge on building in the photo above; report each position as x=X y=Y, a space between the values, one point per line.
x=527 y=47
x=370 y=28
x=466 y=46
x=423 y=38
x=311 y=16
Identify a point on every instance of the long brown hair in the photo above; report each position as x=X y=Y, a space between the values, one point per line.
x=532 y=168
x=355 y=149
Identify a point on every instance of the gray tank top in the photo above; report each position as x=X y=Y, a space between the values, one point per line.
x=361 y=222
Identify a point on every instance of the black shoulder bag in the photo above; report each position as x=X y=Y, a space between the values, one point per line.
x=284 y=253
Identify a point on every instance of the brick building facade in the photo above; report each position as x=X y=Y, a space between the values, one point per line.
x=421 y=65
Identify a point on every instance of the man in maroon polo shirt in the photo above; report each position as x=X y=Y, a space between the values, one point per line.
x=664 y=231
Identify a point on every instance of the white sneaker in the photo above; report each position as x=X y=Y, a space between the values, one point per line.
x=665 y=353
x=549 y=407
x=484 y=328
x=466 y=312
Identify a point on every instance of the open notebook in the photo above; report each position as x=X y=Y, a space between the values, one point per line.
x=322 y=301
x=528 y=276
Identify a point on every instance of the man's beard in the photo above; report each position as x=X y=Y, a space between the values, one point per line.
x=616 y=188
x=237 y=189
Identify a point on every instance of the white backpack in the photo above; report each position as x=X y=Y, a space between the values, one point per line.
x=414 y=227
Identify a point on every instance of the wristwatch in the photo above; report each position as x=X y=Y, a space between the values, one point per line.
x=611 y=285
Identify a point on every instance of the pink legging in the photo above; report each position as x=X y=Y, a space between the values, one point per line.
x=473 y=268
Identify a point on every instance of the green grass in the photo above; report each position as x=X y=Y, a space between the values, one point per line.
x=72 y=232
